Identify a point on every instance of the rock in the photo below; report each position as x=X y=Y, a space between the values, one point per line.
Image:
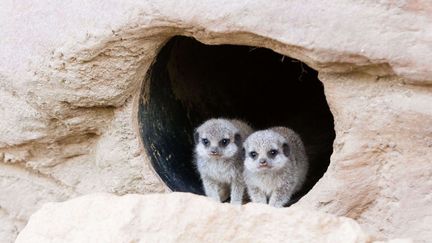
x=22 y=192
x=71 y=71
x=380 y=165
x=181 y=217
x=28 y=123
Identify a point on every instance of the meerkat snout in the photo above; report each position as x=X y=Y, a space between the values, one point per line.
x=214 y=151
x=263 y=163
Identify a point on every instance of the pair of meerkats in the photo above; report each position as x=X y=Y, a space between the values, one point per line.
x=230 y=157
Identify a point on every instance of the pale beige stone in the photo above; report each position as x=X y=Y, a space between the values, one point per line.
x=182 y=217
x=380 y=172
x=70 y=72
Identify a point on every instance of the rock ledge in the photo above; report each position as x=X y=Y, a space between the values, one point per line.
x=182 y=217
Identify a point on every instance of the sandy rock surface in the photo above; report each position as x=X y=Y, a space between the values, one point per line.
x=181 y=217
x=71 y=71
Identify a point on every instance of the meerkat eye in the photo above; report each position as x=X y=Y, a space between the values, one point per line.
x=273 y=152
x=253 y=154
x=205 y=141
x=224 y=142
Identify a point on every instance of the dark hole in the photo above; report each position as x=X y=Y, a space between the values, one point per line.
x=190 y=82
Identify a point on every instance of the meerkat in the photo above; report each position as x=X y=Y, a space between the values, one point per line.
x=218 y=147
x=275 y=165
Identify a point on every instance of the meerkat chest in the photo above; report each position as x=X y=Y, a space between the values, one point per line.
x=268 y=182
x=222 y=171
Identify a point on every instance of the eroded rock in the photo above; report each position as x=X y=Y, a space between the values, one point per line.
x=180 y=217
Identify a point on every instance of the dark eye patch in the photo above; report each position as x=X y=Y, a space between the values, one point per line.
x=205 y=141
x=253 y=154
x=224 y=142
x=272 y=153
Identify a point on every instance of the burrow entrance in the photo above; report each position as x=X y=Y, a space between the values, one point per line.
x=190 y=82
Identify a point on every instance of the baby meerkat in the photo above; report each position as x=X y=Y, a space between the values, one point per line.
x=275 y=165
x=218 y=147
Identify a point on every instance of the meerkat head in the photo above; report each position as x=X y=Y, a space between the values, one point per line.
x=217 y=138
x=266 y=150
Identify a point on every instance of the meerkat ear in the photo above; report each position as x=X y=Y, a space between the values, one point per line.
x=286 y=149
x=238 y=140
x=196 y=137
x=242 y=154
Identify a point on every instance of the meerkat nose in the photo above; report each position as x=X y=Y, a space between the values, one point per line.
x=263 y=162
x=213 y=151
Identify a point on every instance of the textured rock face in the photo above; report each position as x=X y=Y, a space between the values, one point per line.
x=70 y=74
x=180 y=217
x=381 y=165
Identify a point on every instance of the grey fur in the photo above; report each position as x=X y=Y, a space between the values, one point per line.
x=279 y=177
x=223 y=173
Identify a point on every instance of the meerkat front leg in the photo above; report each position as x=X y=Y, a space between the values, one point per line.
x=224 y=192
x=211 y=189
x=237 y=191
x=280 y=197
x=257 y=195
